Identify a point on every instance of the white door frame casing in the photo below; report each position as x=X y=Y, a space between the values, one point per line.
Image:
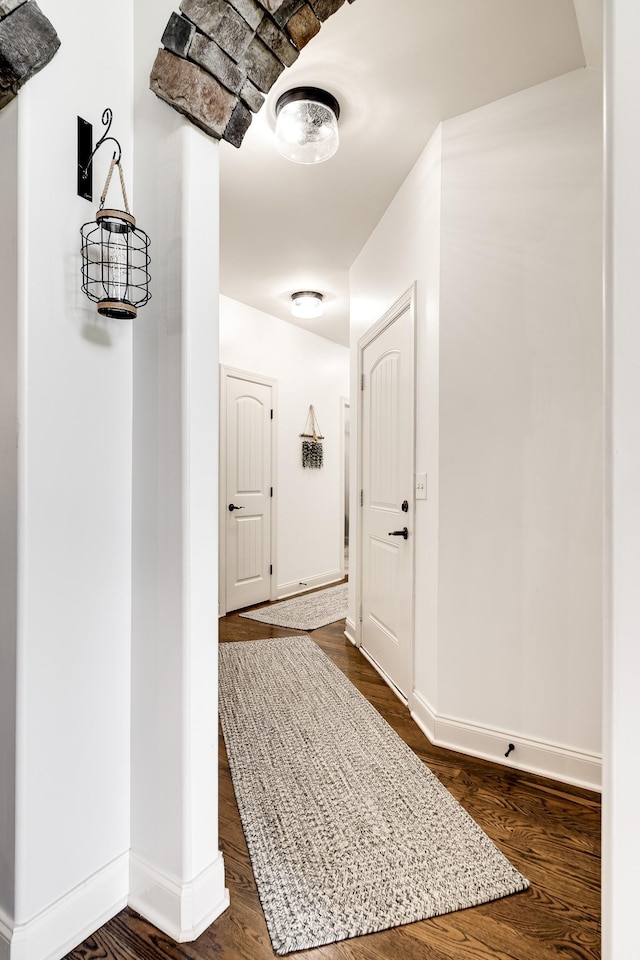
x=225 y=373
x=406 y=302
x=345 y=404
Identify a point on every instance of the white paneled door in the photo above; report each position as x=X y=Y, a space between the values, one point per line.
x=247 y=468
x=387 y=478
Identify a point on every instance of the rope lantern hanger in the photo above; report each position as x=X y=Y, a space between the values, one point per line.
x=115 y=252
x=312 y=454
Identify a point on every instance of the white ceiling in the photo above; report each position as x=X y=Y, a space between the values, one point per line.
x=286 y=226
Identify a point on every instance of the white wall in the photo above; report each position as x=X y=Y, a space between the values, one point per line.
x=310 y=370
x=405 y=247
x=509 y=642
x=8 y=500
x=621 y=839
x=521 y=452
x=177 y=875
x=74 y=495
x=78 y=723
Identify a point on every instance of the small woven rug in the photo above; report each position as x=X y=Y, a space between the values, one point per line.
x=308 y=612
x=348 y=831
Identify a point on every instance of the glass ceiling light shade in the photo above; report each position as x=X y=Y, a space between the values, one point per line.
x=306 y=305
x=307 y=125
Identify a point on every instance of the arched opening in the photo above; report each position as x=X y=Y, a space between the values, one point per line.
x=219 y=60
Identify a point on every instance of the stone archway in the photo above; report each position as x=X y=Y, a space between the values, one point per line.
x=28 y=41
x=220 y=57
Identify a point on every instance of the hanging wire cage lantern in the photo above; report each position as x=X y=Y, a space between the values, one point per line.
x=115 y=258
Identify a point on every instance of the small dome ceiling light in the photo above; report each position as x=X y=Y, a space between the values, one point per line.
x=307 y=125
x=306 y=305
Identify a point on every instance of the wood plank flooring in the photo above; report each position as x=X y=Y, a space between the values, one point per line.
x=549 y=831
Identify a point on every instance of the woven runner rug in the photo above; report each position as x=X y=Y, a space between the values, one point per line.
x=348 y=831
x=308 y=612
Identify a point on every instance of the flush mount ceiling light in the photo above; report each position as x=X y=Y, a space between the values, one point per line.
x=307 y=125
x=306 y=305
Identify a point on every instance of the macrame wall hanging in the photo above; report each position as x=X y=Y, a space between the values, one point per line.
x=312 y=455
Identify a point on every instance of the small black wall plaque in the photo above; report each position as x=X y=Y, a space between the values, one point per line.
x=85 y=168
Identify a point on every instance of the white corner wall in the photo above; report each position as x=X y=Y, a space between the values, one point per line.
x=403 y=249
x=80 y=835
x=508 y=621
x=177 y=873
x=621 y=839
x=309 y=369
x=521 y=453
x=8 y=506
x=74 y=507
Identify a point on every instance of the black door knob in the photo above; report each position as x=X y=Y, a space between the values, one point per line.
x=404 y=533
x=233 y=507
x=405 y=506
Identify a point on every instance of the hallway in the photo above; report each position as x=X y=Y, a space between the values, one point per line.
x=551 y=832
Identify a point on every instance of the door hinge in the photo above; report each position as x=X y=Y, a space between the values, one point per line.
x=270 y=569
x=272 y=414
x=271 y=493
x=360 y=614
x=362 y=381
x=362 y=498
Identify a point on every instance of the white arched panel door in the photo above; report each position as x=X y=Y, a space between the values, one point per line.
x=388 y=508
x=247 y=486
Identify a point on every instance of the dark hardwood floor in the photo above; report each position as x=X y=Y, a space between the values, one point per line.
x=549 y=831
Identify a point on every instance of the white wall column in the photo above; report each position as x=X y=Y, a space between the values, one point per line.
x=621 y=840
x=177 y=875
x=8 y=513
x=66 y=510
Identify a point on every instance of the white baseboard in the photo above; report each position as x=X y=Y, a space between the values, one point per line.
x=181 y=910
x=533 y=756
x=6 y=929
x=296 y=586
x=350 y=631
x=71 y=919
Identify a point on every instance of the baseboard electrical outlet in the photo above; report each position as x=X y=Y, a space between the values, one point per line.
x=551 y=760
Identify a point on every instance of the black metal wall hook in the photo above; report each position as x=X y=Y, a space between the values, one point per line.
x=107 y=120
x=86 y=154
